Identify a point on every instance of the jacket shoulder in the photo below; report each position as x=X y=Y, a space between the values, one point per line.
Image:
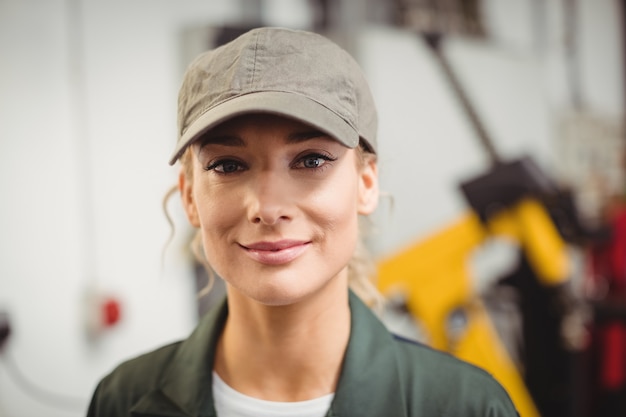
x=129 y=381
x=446 y=383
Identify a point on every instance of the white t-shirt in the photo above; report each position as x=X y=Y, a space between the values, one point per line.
x=231 y=403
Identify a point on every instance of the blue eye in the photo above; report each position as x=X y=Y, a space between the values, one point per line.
x=313 y=161
x=225 y=166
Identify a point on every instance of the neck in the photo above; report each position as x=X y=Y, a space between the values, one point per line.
x=285 y=353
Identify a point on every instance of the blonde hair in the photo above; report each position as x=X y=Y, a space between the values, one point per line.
x=361 y=268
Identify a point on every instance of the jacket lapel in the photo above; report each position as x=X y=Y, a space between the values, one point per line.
x=369 y=385
x=185 y=388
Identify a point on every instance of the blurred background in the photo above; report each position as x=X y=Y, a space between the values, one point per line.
x=501 y=237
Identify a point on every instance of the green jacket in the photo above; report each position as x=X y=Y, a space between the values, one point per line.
x=382 y=376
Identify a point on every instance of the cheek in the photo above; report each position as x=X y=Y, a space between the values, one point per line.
x=335 y=206
x=218 y=213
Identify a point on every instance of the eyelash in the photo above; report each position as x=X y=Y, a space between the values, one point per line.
x=323 y=157
x=222 y=162
x=240 y=166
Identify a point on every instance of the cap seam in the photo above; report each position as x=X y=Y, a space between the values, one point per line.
x=256 y=48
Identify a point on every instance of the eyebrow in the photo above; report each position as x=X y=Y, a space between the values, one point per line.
x=297 y=137
x=236 y=141
x=224 y=140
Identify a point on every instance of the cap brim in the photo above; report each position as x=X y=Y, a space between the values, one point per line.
x=286 y=104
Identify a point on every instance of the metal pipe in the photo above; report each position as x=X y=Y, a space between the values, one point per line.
x=434 y=40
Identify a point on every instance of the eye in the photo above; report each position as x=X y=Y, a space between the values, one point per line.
x=313 y=161
x=226 y=166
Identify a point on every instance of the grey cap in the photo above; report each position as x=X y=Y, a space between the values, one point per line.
x=296 y=74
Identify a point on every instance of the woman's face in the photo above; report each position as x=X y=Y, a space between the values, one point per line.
x=277 y=203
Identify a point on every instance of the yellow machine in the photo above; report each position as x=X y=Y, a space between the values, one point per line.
x=433 y=275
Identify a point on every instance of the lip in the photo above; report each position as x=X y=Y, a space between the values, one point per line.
x=275 y=253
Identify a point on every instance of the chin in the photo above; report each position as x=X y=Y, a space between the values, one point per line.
x=281 y=292
x=288 y=286
x=279 y=297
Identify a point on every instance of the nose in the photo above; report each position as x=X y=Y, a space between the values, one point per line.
x=270 y=199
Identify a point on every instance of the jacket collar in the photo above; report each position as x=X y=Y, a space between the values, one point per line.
x=369 y=384
x=185 y=388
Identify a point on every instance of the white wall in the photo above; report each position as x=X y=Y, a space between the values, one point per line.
x=83 y=170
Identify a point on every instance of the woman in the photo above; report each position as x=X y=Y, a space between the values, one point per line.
x=277 y=142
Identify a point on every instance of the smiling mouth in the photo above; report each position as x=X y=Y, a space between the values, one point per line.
x=275 y=253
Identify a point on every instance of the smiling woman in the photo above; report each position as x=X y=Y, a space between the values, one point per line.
x=277 y=145
x=293 y=196
x=360 y=267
